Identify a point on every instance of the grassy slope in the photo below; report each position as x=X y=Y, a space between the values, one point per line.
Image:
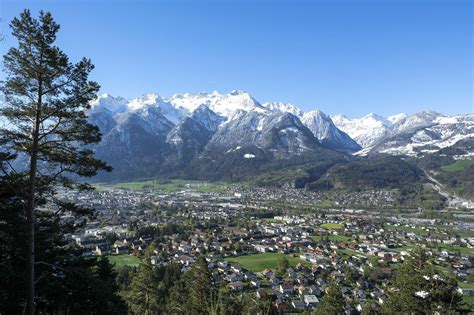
x=124 y=260
x=457 y=166
x=259 y=262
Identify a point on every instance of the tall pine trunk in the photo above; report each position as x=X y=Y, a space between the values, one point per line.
x=45 y=98
x=30 y=211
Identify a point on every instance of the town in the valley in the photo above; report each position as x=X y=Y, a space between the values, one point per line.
x=282 y=243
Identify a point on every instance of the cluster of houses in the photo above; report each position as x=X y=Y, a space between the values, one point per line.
x=368 y=198
x=365 y=240
x=324 y=254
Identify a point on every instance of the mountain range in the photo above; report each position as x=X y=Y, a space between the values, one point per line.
x=214 y=135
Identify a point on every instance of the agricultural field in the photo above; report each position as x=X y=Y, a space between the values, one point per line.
x=332 y=226
x=260 y=262
x=124 y=260
x=169 y=186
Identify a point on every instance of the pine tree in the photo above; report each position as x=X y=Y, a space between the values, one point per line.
x=196 y=292
x=333 y=302
x=45 y=96
x=203 y=293
x=66 y=280
x=420 y=289
x=107 y=277
x=142 y=298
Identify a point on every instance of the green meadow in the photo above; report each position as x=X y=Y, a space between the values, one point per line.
x=457 y=166
x=332 y=226
x=260 y=262
x=124 y=260
x=168 y=186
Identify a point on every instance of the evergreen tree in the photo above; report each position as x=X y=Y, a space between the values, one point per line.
x=108 y=287
x=283 y=264
x=143 y=295
x=67 y=282
x=263 y=306
x=333 y=302
x=178 y=302
x=150 y=286
x=196 y=292
x=203 y=293
x=45 y=96
x=420 y=289
x=124 y=277
x=12 y=244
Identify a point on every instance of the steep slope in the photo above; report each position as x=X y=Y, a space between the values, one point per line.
x=110 y=103
x=251 y=143
x=278 y=107
x=154 y=101
x=425 y=132
x=232 y=135
x=225 y=105
x=188 y=138
x=103 y=109
x=366 y=131
x=135 y=146
x=281 y=133
x=327 y=133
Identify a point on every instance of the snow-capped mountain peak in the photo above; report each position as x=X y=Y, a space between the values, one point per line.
x=279 y=107
x=223 y=104
x=323 y=128
x=375 y=120
x=151 y=134
x=396 y=118
x=150 y=99
x=365 y=131
x=109 y=103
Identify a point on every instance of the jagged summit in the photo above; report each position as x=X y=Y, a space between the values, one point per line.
x=158 y=135
x=327 y=133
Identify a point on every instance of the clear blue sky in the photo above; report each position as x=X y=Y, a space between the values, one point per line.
x=350 y=57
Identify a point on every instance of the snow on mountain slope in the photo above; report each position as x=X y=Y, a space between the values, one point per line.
x=412 y=122
x=207 y=118
x=425 y=132
x=397 y=134
x=327 y=133
x=396 y=118
x=282 y=134
x=225 y=105
x=114 y=106
x=366 y=131
x=278 y=107
x=145 y=102
x=110 y=103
